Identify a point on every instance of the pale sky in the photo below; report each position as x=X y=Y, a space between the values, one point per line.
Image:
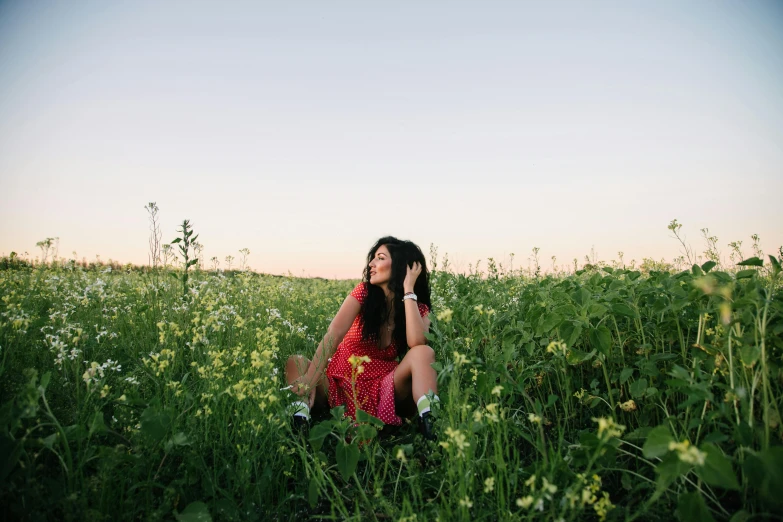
x=306 y=130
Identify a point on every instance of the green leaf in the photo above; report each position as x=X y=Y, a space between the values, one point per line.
x=180 y=439
x=551 y=321
x=626 y=482
x=749 y=355
x=97 y=425
x=366 y=433
x=692 y=508
x=338 y=413
x=195 y=512
x=764 y=471
x=575 y=356
x=319 y=433
x=10 y=451
x=623 y=309
x=347 y=459
x=570 y=332
x=50 y=440
x=581 y=297
x=312 y=493
x=695 y=270
x=657 y=443
x=753 y=261
x=669 y=469
x=601 y=339
x=176 y=241
x=741 y=516
x=363 y=416
x=717 y=470
x=155 y=423
x=75 y=432
x=709 y=265
x=638 y=434
x=743 y=434
x=45 y=378
x=744 y=274
x=716 y=436
x=626 y=374
x=596 y=310
x=775 y=265
x=638 y=387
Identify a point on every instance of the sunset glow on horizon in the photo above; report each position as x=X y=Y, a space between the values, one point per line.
x=305 y=132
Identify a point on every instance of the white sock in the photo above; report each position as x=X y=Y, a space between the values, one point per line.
x=424 y=403
x=300 y=409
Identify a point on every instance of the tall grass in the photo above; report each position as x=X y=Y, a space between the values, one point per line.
x=610 y=393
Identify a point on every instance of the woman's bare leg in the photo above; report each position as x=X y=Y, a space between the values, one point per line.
x=295 y=367
x=415 y=374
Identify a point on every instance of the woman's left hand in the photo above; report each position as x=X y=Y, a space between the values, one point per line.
x=411 y=276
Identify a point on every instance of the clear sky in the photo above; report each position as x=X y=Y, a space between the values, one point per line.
x=306 y=130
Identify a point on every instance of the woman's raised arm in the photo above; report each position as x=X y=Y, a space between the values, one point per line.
x=416 y=326
x=334 y=336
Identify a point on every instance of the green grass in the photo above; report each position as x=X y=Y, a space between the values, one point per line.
x=605 y=393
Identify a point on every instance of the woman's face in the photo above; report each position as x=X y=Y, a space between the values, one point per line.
x=380 y=267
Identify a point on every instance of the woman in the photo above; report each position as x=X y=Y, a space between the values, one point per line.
x=384 y=318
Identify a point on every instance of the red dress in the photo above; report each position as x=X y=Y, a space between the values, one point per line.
x=375 y=385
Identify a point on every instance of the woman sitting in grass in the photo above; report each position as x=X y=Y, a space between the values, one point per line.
x=381 y=321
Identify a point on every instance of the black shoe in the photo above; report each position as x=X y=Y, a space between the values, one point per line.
x=300 y=425
x=427 y=426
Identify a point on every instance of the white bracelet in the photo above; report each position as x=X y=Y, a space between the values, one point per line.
x=410 y=296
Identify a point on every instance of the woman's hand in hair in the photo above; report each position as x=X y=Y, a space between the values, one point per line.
x=411 y=276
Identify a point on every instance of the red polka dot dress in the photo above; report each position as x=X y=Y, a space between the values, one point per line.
x=375 y=385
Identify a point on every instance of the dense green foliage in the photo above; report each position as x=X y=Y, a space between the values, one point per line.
x=606 y=394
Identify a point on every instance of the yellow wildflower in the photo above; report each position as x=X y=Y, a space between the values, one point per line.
x=688 y=453
x=525 y=502
x=459 y=359
x=458 y=439
x=445 y=315
x=557 y=348
x=608 y=427
x=492 y=412
x=357 y=360
x=401 y=456
x=603 y=506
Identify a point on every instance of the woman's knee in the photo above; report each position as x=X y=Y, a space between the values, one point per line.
x=296 y=365
x=424 y=353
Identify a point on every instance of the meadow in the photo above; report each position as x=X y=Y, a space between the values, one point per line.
x=607 y=393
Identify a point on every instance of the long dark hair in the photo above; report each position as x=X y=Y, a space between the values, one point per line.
x=375 y=310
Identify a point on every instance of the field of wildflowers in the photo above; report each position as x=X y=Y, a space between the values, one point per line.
x=605 y=394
